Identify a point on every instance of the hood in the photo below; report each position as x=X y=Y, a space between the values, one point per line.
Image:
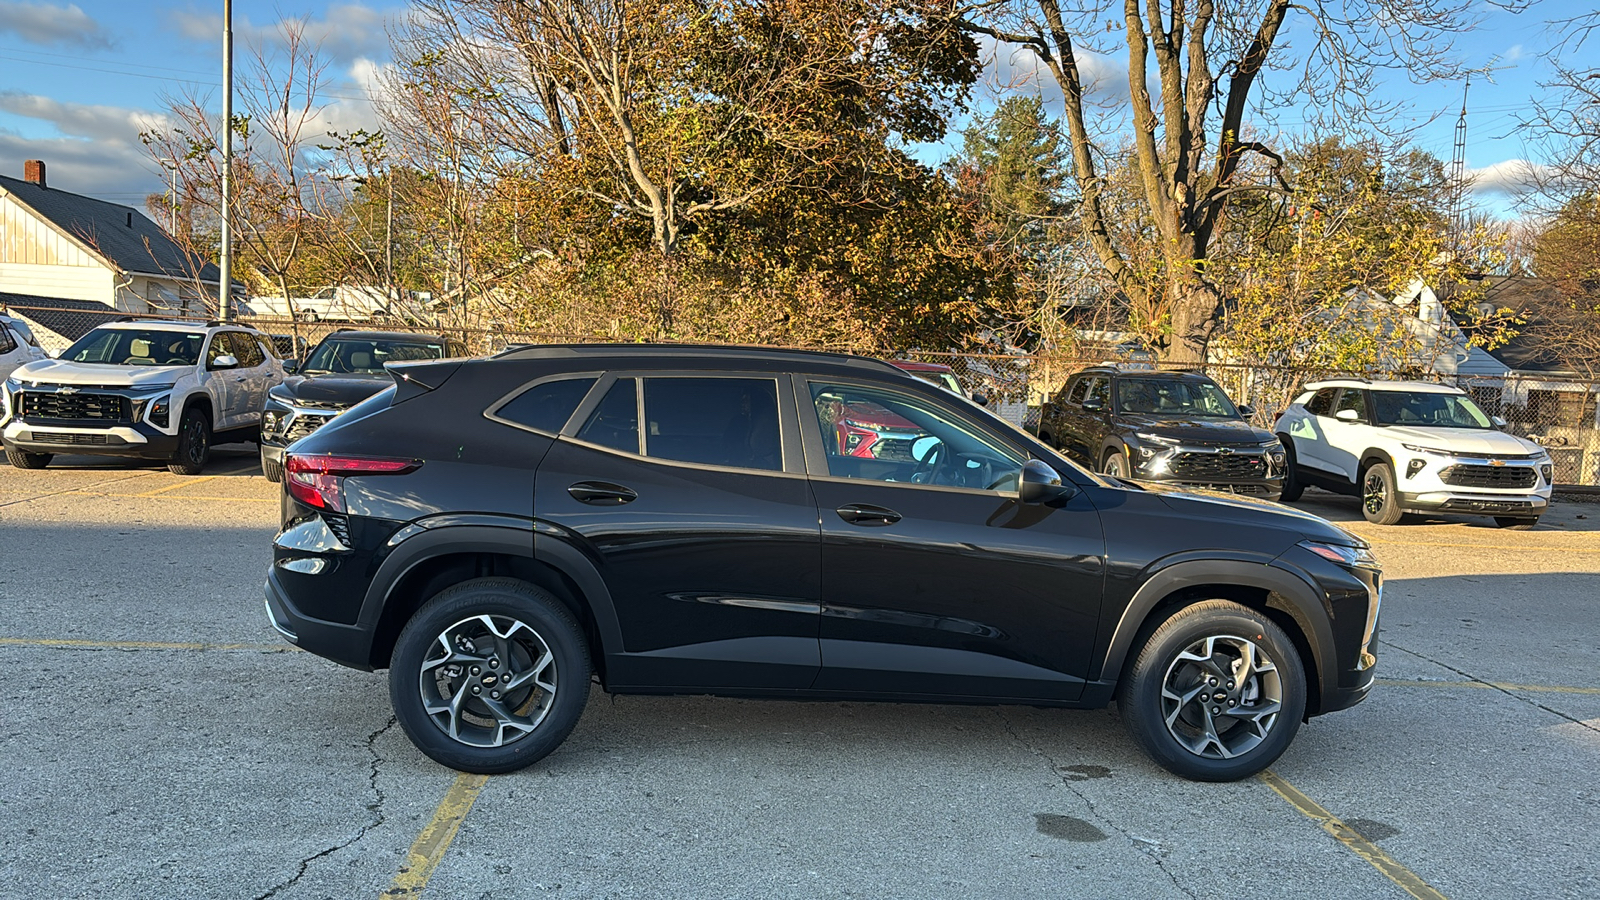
x=1461 y=440
x=1198 y=429
x=871 y=415
x=331 y=390
x=1239 y=509
x=55 y=371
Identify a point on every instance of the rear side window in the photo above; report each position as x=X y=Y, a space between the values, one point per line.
x=714 y=421
x=246 y=350
x=615 y=422
x=1321 y=403
x=7 y=342
x=1099 y=389
x=546 y=407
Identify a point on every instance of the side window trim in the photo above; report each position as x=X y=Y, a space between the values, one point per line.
x=585 y=406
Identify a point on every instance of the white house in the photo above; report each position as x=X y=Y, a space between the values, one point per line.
x=68 y=262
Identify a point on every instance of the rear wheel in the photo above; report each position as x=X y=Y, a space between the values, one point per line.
x=1380 y=498
x=22 y=459
x=1514 y=523
x=490 y=676
x=1292 y=488
x=194 y=443
x=1216 y=693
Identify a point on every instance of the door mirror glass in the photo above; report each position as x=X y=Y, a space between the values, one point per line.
x=923 y=446
x=1042 y=484
x=1347 y=415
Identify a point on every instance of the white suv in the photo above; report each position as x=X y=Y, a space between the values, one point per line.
x=17 y=346
x=1411 y=446
x=150 y=389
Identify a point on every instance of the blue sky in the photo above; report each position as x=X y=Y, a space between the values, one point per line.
x=79 y=80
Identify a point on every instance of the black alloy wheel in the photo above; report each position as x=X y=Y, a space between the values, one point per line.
x=490 y=676
x=1216 y=693
x=1292 y=488
x=1380 y=498
x=194 y=443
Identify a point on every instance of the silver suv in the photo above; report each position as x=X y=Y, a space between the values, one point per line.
x=148 y=389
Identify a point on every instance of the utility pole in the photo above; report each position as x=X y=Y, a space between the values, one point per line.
x=225 y=262
x=171 y=165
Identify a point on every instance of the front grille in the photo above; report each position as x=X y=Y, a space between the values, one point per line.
x=93 y=407
x=1198 y=466
x=304 y=425
x=1489 y=476
x=67 y=437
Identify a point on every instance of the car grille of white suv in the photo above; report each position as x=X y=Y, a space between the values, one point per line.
x=1488 y=476
x=94 y=407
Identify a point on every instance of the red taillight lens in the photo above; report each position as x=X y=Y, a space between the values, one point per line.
x=318 y=481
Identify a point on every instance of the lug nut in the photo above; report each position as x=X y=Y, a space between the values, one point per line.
x=1216 y=710
x=495 y=694
x=476 y=689
x=1232 y=703
x=476 y=670
x=1230 y=684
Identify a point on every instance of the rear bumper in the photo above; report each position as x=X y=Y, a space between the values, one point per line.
x=348 y=645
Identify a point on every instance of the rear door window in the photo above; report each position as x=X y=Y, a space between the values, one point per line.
x=1321 y=403
x=1353 y=399
x=714 y=421
x=615 y=422
x=1076 y=397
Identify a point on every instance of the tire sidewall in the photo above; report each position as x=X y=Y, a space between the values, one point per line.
x=182 y=461
x=491 y=596
x=1122 y=462
x=1139 y=696
x=1292 y=489
x=1391 y=512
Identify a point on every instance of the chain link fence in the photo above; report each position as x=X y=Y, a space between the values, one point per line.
x=1558 y=413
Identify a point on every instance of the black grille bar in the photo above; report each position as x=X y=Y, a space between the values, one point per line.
x=1489 y=476
x=88 y=407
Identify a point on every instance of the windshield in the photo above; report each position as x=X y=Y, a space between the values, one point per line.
x=1171 y=397
x=1427 y=408
x=136 y=347
x=366 y=356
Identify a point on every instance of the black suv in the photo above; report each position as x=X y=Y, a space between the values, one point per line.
x=1162 y=426
x=344 y=369
x=499 y=532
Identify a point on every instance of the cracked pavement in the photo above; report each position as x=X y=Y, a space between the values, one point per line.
x=244 y=770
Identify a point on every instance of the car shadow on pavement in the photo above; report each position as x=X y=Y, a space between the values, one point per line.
x=1565 y=514
x=226 y=460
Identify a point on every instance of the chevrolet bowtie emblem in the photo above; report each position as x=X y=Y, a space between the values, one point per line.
x=1225 y=451
x=67 y=390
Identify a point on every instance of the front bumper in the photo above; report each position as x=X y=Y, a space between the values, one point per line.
x=121 y=439
x=1529 y=505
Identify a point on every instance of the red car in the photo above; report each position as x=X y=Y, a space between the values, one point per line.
x=870 y=430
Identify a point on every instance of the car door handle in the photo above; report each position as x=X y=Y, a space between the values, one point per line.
x=863 y=514
x=601 y=493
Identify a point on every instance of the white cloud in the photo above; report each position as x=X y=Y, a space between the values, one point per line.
x=1507 y=177
x=41 y=23
x=109 y=124
x=1513 y=54
x=345 y=32
x=99 y=153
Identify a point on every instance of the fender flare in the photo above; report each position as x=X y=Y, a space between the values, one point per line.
x=1303 y=601
x=428 y=539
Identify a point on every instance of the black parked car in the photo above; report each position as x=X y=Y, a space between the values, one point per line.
x=498 y=532
x=1163 y=426
x=344 y=369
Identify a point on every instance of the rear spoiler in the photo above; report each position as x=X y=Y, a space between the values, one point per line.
x=414 y=378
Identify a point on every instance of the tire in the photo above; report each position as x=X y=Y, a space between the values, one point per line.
x=1115 y=465
x=1200 y=643
x=194 y=443
x=22 y=459
x=271 y=469
x=1292 y=488
x=1514 y=523
x=533 y=628
x=1380 y=498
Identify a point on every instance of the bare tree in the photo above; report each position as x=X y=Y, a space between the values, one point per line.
x=1198 y=74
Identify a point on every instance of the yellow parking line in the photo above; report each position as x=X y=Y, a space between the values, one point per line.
x=172 y=487
x=141 y=645
x=159 y=496
x=1406 y=879
x=1380 y=543
x=1498 y=685
x=430 y=846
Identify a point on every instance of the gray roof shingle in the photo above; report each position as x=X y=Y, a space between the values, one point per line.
x=121 y=234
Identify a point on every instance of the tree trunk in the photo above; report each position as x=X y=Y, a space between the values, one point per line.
x=1195 y=305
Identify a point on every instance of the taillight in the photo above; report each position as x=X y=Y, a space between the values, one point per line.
x=318 y=481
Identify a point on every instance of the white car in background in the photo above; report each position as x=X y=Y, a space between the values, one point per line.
x=150 y=389
x=1412 y=446
x=17 y=345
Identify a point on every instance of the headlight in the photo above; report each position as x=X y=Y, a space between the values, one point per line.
x=160 y=411
x=1436 y=452
x=1157 y=439
x=1342 y=554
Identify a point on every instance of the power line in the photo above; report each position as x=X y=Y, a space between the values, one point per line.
x=167 y=78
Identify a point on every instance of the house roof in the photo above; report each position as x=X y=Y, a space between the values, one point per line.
x=1535 y=300
x=71 y=319
x=121 y=235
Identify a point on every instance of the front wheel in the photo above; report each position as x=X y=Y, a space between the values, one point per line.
x=1216 y=693
x=490 y=676
x=22 y=459
x=1380 y=498
x=1292 y=488
x=1116 y=465
x=194 y=443
x=1516 y=523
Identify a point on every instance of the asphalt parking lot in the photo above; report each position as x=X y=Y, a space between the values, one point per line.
x=159 y=740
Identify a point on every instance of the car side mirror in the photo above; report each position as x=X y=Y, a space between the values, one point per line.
x=1246 y=411
x=225 y=361
x=1042 y=484
x=1347 y=415
x=981 y=399
x=1094 y=405
x=1499 y=421
x=291 y=366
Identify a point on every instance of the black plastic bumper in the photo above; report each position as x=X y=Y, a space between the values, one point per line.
x=347 y=645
